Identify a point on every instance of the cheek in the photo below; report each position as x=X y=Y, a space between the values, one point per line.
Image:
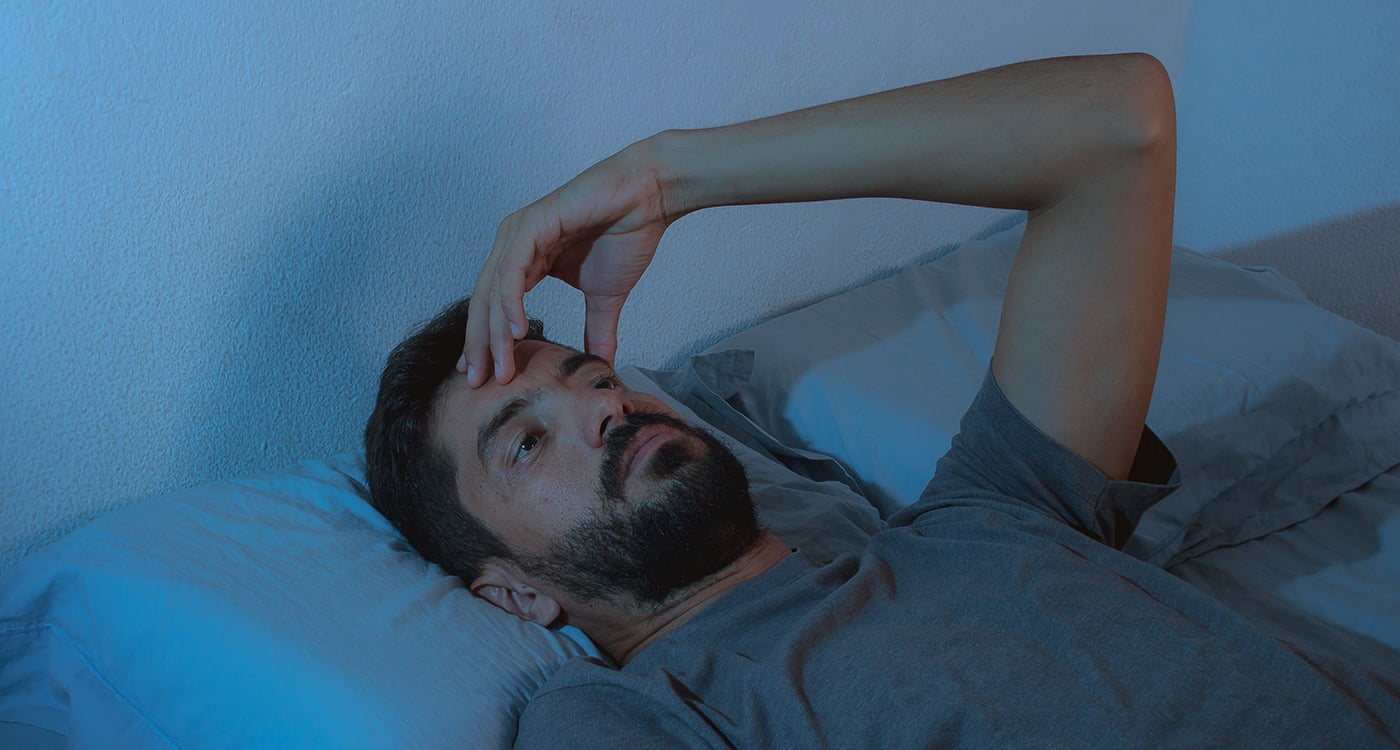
x=533 y=516
x=560 y=500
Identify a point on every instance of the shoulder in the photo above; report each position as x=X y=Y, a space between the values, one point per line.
x=1000 y=460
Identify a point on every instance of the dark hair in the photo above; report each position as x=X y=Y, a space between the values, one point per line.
x=412 y=480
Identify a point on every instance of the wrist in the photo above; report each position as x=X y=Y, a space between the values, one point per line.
x=668 y=158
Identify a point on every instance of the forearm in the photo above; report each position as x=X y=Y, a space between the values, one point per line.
x=1019 y=136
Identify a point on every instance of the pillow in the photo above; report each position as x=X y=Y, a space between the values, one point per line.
x=278 y=610
x=281 y=610
x=1271 y=405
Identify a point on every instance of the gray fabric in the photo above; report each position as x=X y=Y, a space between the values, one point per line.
x=992 y=613
x=1272 y=405
x=1331 y=582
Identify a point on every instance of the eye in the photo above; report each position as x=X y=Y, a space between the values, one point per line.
x=609 y=382
x=526 y=444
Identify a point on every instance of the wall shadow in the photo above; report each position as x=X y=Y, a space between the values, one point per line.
x=345 y=267
x=1349 y=266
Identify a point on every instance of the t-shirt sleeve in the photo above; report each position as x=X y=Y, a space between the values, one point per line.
x=999 y=456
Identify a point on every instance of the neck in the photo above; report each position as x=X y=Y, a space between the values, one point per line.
x=624 y=637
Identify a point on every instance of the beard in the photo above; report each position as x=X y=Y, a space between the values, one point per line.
x=697 y=519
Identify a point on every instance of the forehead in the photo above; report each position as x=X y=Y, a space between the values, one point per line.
x=461 y=409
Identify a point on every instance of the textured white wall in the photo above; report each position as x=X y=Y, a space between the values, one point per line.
x=1288 y=117
x=217 y=218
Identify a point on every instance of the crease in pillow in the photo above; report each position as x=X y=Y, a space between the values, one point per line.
x=1311 y=470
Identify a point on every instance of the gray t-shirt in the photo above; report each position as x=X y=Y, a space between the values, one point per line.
x=995 y=612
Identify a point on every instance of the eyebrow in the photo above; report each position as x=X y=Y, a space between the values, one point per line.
x=577 y=361
x=488 y=432
x=510 y=409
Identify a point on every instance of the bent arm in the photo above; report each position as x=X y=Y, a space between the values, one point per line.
x=1086 y=145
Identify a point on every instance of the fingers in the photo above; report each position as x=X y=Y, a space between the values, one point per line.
x=496 y=314
x=483 y=349
x=476 y=349
x=600 y=326
x=510 y=294
x=502 y=342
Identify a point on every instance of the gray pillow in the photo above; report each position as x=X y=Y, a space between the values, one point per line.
x=1272 y=406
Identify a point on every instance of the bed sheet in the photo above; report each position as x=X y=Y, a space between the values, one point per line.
x=1330 y=583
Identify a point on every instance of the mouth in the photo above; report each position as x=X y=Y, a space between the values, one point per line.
x=647 y=440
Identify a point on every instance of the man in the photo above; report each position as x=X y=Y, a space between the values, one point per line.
x=995 y=611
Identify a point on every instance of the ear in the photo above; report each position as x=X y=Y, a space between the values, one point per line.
x=505 y=589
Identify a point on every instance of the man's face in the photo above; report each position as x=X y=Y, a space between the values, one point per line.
x=596 y=488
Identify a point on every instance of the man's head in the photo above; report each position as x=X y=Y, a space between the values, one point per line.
x=563 y=481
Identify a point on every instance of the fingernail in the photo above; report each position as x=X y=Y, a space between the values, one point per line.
x=462 y=364
x=515 y=330
x=471 y=374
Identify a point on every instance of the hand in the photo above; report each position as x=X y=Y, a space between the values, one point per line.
x=597 y=232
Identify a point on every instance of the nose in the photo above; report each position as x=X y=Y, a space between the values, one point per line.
x=603 y=410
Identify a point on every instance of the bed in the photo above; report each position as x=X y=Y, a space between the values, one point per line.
x=281 y=610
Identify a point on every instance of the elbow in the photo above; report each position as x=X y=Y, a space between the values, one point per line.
x=1149 y=107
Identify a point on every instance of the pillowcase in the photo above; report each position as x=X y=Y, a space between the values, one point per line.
x=1271 y=405
x=281 y=610
x=278 y=610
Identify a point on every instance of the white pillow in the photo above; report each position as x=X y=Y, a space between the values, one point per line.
x=282 y=610
x=1271 y=405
